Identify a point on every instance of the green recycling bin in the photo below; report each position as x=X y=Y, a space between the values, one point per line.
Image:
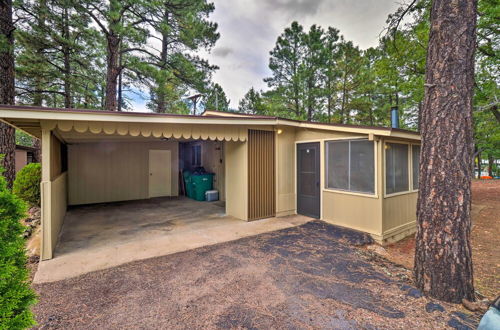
x=188 y=183
x=201 y=183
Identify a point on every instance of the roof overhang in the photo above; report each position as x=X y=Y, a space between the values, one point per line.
x=33 y=119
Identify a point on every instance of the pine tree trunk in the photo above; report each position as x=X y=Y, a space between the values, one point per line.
x=67 y=63
x=479 y=165
x=113 y=70
x=443 y=264
x=160 y=95
x=490 y=165
x=7 y=90
x=37 y=154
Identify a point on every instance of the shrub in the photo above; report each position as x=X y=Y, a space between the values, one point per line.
x=16 y=296
x=27 y=184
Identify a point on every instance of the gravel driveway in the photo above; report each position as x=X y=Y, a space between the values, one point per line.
x=311 y=276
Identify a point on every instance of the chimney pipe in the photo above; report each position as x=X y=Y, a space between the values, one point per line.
x=394 y=117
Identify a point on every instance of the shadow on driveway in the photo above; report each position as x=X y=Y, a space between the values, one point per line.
x=309 y=276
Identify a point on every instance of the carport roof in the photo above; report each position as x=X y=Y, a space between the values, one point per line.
x=30 y=119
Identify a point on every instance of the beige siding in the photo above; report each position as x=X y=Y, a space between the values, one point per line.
x=114 y=171
x=21 y=159
x=236 y=154
x=353 y=211
x=53 y=194
x=400 y=215
x=314 y=134
x=399 y=211
x=55 y=157
x=285 y=168
x=212 y=154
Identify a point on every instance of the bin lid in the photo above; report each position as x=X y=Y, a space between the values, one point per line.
x=211 y=191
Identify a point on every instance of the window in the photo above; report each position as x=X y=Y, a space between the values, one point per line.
x=396 y=168
x=350 y=166
x=415 y=163
x=196 y=155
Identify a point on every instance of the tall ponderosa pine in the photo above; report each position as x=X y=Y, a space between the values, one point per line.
x=252 y=103
x=310 y=70
x=349 y=64
x=216 y=99
x=125 y=32
x=443 y=261
x=285 y=64
x=7 y=90
x=59 y=55
x=331 y=73
x=182 y=27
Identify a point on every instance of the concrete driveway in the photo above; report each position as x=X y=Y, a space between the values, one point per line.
x=101 y=236
x=310 y=276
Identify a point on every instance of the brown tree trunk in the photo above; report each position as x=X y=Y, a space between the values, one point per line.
x=37 y=154
x=67 y=64
x=113 y=70
x=479 y=165
x=160 y=95
x=490 y=165
x=7 y=89
x=443 y=263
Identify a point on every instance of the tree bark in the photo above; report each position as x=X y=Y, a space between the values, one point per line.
x=443 y=263
x=160 y=95
x=7 y=89
x=479 y=156
x=113 y=70
x=490 y=164
x=67 y=63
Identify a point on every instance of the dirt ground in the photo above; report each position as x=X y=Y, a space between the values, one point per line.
x=312 y=276
x=485 y=239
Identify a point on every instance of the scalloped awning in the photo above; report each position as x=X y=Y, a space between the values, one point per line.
x=157 y=130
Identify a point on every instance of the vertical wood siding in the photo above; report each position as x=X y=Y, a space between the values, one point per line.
x=261 y=176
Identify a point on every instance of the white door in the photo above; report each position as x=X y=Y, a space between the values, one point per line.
x=160 y=174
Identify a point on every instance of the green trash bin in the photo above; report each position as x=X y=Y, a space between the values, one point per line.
x=201 y=183
x=188 y=183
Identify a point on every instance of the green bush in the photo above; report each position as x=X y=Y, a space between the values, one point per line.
x=16 y=296
x=27 y=184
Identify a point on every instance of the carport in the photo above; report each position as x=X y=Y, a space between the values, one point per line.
x=126 y=159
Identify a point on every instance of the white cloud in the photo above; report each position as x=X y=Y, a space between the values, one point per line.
x=249 y=29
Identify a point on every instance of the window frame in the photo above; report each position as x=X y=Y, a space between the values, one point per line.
x=410 y=168
x=418 y=169
x=193 y=151
x=375 y=168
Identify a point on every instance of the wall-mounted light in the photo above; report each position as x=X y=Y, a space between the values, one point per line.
x=279 y=131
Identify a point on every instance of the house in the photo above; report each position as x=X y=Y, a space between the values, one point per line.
x=24 y=156
x=364 y=178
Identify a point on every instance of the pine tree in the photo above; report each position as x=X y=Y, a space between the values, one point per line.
x=125 y=32
x=183 y=29
x=310 y=70
x=331 y=73
x=252 y=103
x=443 y=261
x=216 y=99
x=286 y=59
x=7 y=90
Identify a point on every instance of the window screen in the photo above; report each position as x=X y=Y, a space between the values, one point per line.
x=396 y=168
x=350 y=166
x=196 y=155
x=415 y=150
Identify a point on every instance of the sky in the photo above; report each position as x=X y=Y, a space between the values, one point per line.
x=249 y=29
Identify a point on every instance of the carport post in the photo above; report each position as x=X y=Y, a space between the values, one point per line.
x=46 y=248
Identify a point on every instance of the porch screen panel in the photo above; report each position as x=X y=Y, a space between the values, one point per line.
x=261 y=176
